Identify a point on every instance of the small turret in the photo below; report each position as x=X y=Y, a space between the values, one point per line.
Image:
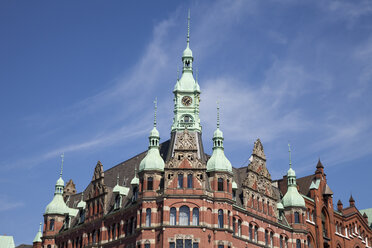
x=135 y=180
x=339 y=206
x=37 y=240
x=292 y=198
x=153 y=161
x=218 y=160
x=351 y=201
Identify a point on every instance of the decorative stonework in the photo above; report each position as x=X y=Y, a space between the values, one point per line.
x=186 y=141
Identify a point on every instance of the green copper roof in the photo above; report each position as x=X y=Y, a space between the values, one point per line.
x=368 y=212
x=315 y=185
x=121 y=190
x=6 y=241
x=38 y=236
x=135 y=180
x=234 y=185
x=218 y=160
x=279 y=206
x=153 y=160
x=82 y=204
x=292 y=198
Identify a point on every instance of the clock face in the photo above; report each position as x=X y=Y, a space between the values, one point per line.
x=186 y=100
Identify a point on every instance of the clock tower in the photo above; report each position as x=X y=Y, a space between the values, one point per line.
x=186 y=94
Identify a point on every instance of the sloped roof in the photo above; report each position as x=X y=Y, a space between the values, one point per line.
x=6 y=241
x=302 y=182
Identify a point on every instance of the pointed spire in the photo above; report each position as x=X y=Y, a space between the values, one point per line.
x=38 y=236
x=218 y=114
x=188 y=29
x=351 y=200
x=339 y=206
x=62 y=158
x=319 y=165
x=155 y=109
x=290 y=157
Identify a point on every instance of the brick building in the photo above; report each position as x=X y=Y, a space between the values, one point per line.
x=179 y=196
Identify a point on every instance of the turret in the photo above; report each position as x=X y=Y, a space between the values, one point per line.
x=218 y=166
x=37 y=240
x=339 y=206
x=152 y=165
x=293 y=202
x=352 y=201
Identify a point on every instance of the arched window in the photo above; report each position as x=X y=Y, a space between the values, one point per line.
x=256 y=233
x=184 y=216
x=281 y=242
x=239 y=228
x=150 y=183
x=189 y=181
x=180 y=181
x=298 y=243
x=250 y=232
x=195 y=217
x=173 y=216
x=220 y=218
x=297 y=217
x=234 y=227
x=148 y=217
x=286 y=242
x=266 y=238
x=271 y=239
x=220 y=184
x=51 y=225
x=324 y=225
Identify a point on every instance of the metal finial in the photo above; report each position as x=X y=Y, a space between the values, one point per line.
x=188 y=28
x=290 y=159
x=62 y=157
x=218 y=114
x=40 y=227
x=155 y=109
x=82 y=196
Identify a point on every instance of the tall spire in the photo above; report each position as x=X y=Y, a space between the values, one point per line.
x=155 y=109
x=188 y=29
x=218 y=114
x=62 y=158
x=290 y=158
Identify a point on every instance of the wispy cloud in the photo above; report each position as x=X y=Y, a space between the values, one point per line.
x=6 y=204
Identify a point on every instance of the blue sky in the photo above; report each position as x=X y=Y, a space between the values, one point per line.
x=80 y=77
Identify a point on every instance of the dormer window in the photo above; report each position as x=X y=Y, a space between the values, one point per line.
x=118 y=201
x=135 y=194
x=81 y=216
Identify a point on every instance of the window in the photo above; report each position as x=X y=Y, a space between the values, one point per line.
x=234 y=194
x=220 y=246
x=195 y=245
x=227 y=185
x=266 y=238
x=150 y=183
x=148 y=217
x=179 y=243
x=189 y=181
x=250 y=232
x=81 y=216
x=228 y=219
x=220 y=218
x=173 y=213
x=271 y=239
x=188 y=243
x=195 y=217
x=184 y=216
x=297 y=217
x=117 y=201
x=256 y=233
x=281 y=242
x=94 y=237
x=51 y=225
x=239 y=228
x=135 y=194
x=172 y=245
x=180 y=181
x=220 y=184
x=286 y=242
x=234 y=229
x=147 y=245
x=325 y=232
x=298 y=243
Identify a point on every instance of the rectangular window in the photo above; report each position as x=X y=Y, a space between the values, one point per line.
x=180 y=181
x=220 y=246
x=220 y=184
x=189 y=181
x=188 y=243
x=195 y=245
x=179 y=243
x=150 y=183
x=172 y=245
x=147 y=245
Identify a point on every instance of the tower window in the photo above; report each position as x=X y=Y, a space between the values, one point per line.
x=51 y=225
x=150 y=183
x=220 y=184
x=187 y=63
x=220 y=218
x=148 y=217
x=173 y=213
x=180 y=181
x=189 y=181
x=195 y=217
x=297 y=217
x=298 y=243
x=184 y=216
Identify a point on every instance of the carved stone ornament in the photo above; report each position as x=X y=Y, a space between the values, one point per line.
x=258 y=149
x=186 y=141
x=98 y=171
